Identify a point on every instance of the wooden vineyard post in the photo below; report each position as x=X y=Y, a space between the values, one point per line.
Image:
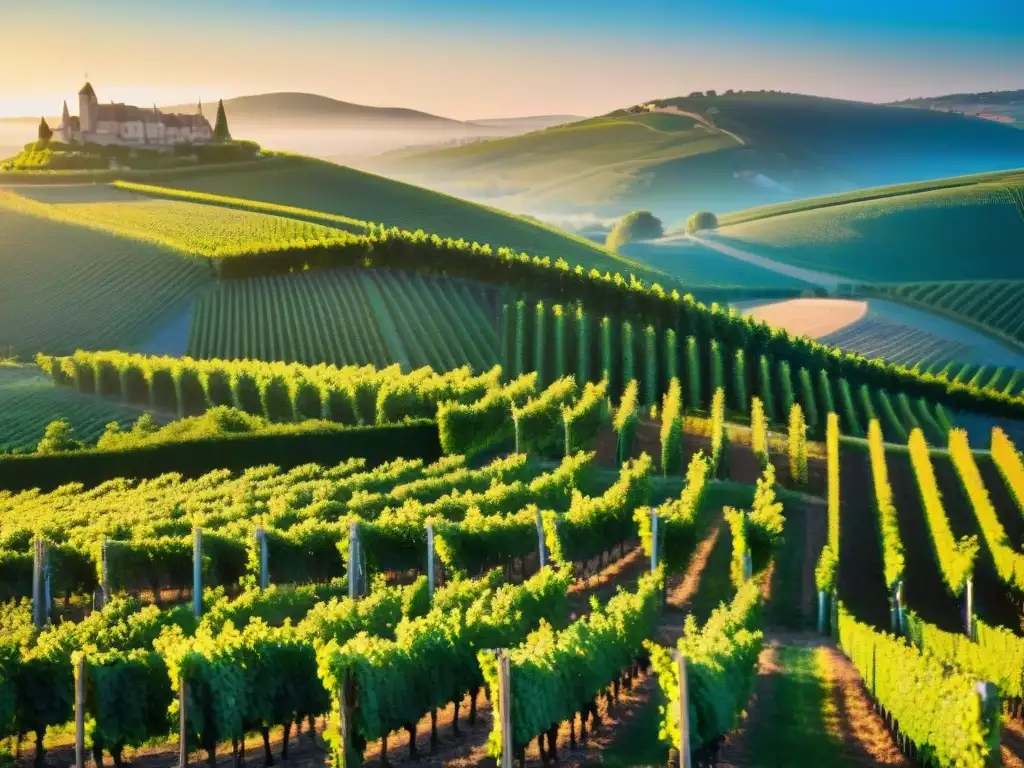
x=900 y=617
x=654 y=539
x=969 y=614
x=80 y=712
x=542 y=551
x=40 y=585
x=684 y=713
x=430 y=561
x=505 y=708
x=183 y=723
x=515 y=424
x=748 y=567
x=261 y=543
x=345 y=719
x=104 y=573
x=822 y=610
x=197 y=572
x=354 y=564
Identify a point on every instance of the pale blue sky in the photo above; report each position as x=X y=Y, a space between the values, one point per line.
x=480 y=58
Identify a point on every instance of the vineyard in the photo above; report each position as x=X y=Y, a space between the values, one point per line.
x=994 y=306
x=66 y=287
x=358 y=601
x=193 y=229
x=313 y=184
x=348 y=317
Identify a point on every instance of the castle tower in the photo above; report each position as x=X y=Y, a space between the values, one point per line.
x=88 y=108
x=65 y=125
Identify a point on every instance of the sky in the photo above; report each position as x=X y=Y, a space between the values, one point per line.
x=470 y=59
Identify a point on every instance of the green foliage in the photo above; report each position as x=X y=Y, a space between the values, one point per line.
x=758 y=431
x=58 y=438
x=938 y=709
x=679 y=520
x=556 y=674
x=650 y=375
x=764 y=383
x=826 y=572
x=739 y=375
x=672 y=430
x=625 y=419
x=719 y=437
x=628 y=353
x=538 y=423
x=221 y=132
x=797 y=446
x=583 y=419
x=693 y=373
x=892 y=543
x=956 y=558
x=701 y=221
x=721 y=666
x=638 y=225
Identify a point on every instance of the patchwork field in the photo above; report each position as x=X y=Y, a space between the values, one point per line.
x=961 y=231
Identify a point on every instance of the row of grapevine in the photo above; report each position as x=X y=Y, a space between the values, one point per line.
x=281 y=392
x=1008 y=561
x=391 y=505
x=797 y=446
x=679 y=521
x=584 y=418
x=554 y=674
x=892 y=543
x=998 y=655
x=955 y=558
x=672 y=430
x=619 y=353
x=826 y=572
x=941 y=711
x=719 y=436
x=1008 y=460
x=721 y=666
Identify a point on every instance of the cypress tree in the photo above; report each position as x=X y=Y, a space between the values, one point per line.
x=671 y=367
x=539 y=345
x=520 y=351
x=508 y=342
x=582 y=347
x=739 y=375
x=560 y=341
x=650 y=366
x=628 y=352
x=45 y=134
x=221 y=132
x=765 y=387
x=607 y=369
x=693 y=372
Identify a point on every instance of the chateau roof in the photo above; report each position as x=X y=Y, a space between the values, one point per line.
x=87 y=90
x=124 y=113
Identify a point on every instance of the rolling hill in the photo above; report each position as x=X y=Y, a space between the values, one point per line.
x=1001 y=106
x=955 y=229
x=724 y=152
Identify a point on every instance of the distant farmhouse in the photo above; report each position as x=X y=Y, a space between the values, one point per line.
x=124 y=125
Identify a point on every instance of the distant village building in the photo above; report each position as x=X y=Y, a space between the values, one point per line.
x=124 y=125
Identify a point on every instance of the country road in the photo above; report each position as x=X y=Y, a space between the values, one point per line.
x=828 y=281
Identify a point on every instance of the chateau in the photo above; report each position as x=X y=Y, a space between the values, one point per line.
x=130 y=126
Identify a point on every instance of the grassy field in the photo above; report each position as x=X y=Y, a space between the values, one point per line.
x=65 y=286
x=29 y=401
x=320 y=186
x=348 y=317
x=994 y=306
x=955 y=232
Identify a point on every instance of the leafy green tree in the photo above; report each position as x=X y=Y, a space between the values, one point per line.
x=58 y=437
x=638 y=225
x=221 y=132
x=701 y=220
x=45 y=134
